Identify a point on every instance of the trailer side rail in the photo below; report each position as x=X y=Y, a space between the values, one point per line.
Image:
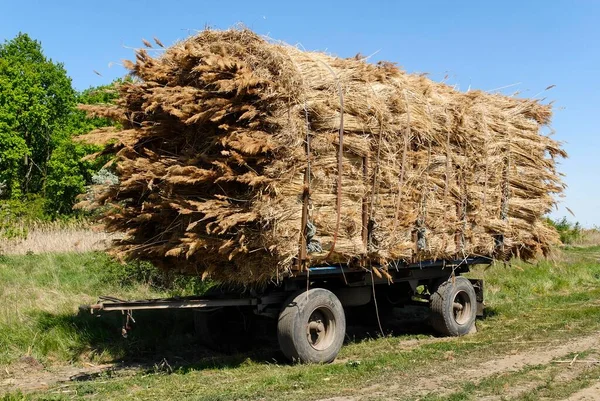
x=108 y=304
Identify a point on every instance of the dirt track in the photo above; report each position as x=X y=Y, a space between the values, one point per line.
x=530 y=354
x=29 y=375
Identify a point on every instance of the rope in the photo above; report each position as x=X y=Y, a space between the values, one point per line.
x=375 y=302
x=464 y=213
x=401 y=179
x=313 y=245
x=462 y=206
x=485 y=158
x=506 y=189
x=340 y=161
x=499 y=240
x=307 y=242
x=365 y=206
x=446 y=184
x=307 y=142
x=421 y=229
x=375 y=188
x=446 y=188
x=305 y=197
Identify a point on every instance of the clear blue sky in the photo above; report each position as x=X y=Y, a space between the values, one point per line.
x=479 y=44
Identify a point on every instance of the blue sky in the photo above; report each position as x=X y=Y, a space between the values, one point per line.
x=478 y=44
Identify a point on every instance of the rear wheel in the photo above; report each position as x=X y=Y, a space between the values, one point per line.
x=311 y=326
x=454 y=307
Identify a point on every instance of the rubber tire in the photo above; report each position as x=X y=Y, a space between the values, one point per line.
x=442 y=307
x=293 y=318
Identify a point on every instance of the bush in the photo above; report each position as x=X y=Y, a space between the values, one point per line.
x=569 y=232
x=16 y=215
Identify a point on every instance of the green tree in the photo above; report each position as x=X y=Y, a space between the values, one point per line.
x=36 y=104
x=68 y=171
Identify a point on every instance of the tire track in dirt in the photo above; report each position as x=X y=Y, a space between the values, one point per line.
x=32 y=376
x=445 y=383
x=442 y=381
x=509 y=363
x=591 y=393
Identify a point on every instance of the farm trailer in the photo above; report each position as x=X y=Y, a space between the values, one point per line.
x=311 y=307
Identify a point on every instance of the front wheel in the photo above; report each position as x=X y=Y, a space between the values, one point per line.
x=454 y=307
x=311 y=326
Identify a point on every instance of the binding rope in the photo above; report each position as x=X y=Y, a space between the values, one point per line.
x=304 y=241
x=308 y=241
x=375 y=185
x=375 y=189
x=421 y=229
x=407 y=134
x=485 y=159
x=504 y=208
x=340 y=160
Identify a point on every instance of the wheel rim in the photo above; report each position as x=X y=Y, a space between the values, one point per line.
x=320 y=329
x=462 y=307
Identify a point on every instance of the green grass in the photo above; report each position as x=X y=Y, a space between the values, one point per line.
x=40 y=296
x=549 y=301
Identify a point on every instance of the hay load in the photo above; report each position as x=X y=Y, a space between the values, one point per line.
x=245 y=160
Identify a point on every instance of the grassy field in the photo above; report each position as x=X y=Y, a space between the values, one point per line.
x=537 y=317
x=37 y=237
x=40 y=296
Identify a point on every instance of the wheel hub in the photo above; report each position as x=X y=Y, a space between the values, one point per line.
x=461 y=307
x=320 y=329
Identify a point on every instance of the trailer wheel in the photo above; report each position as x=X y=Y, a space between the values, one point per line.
x=453 y=307
x=311 y=326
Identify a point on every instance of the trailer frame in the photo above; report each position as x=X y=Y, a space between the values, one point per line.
x=351 y=286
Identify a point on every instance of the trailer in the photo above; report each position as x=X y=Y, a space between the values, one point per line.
x=310 y=308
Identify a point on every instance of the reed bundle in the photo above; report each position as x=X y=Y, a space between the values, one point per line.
x=245 y=160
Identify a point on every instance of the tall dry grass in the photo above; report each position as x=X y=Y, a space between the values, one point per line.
x=588 y=237
x=55 y=237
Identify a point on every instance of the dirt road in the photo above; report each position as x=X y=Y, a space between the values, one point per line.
x=511 y=376
x=552 y=361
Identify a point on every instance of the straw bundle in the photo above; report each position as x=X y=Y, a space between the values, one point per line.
x=245 y=160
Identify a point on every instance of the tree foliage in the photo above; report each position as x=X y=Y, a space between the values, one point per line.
x=68 y=173
x=36 y=100
x=38 y=119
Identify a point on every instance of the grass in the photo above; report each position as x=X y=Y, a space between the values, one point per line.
x=74 y=235
x=588 y=237
x=40 y=296
x=549 y=302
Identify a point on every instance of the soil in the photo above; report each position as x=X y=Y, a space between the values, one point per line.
x=30 y=375
x=587 y=394
x=530 y=354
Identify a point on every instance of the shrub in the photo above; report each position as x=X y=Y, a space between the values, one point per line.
x=16 y=215
x=569 y=232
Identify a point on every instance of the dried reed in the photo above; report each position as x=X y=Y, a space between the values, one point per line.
x=233 y=148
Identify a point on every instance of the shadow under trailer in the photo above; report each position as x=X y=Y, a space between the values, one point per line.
x=310 y=308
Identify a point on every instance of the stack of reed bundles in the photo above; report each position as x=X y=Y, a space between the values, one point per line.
x=245 y=161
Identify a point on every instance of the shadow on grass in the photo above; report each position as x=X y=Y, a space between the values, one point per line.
x=489 y=312
x=159 y=341
x=165 y=341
